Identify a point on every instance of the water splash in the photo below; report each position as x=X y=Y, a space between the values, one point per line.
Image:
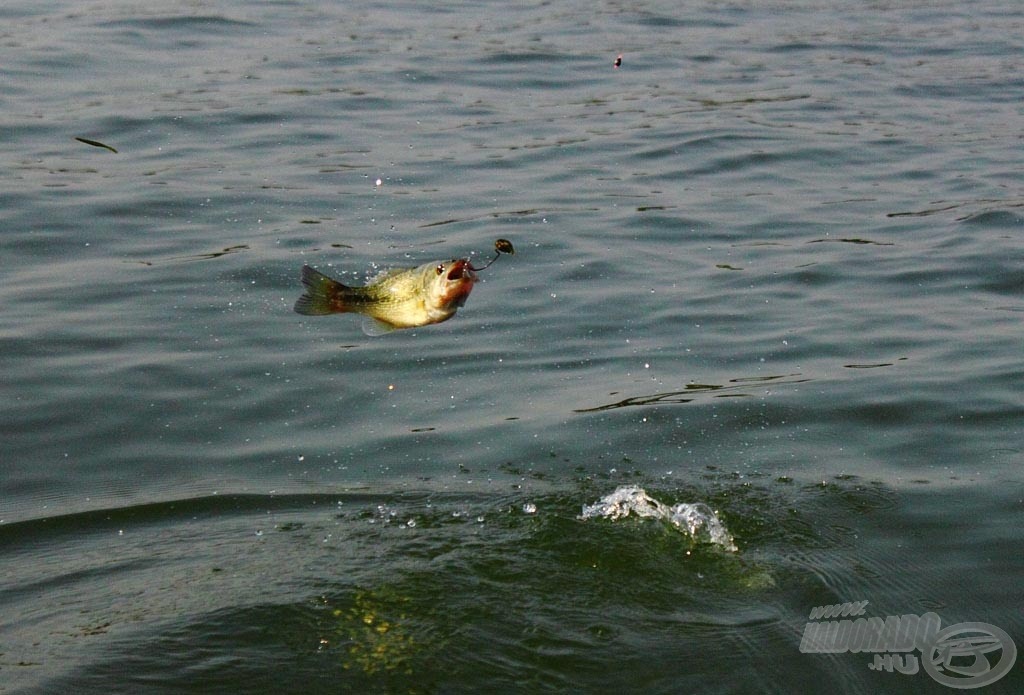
x=697 y=520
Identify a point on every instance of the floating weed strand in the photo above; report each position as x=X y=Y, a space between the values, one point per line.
x=96 y=143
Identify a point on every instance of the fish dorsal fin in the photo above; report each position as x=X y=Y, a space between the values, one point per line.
x=373 y=327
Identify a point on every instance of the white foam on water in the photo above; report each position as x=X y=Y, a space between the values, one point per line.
x=695 y=519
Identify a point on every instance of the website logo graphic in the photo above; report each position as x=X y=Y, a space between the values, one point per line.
x=962 y=656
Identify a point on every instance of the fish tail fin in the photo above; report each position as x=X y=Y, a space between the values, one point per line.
x=323 y=295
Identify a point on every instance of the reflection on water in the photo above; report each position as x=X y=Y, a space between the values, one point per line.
x=201 y=256
x=867 y=242
x=372 y=632
x=733 y=389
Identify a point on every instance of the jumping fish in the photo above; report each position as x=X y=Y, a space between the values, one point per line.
x=398 y=298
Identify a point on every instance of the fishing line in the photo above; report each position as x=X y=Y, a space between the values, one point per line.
x=501 y=246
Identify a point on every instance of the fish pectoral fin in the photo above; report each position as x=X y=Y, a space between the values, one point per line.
x=375 y=327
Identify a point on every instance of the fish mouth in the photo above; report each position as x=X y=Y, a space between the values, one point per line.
x=461 y=270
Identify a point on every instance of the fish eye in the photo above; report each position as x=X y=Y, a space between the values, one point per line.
x=439 y=268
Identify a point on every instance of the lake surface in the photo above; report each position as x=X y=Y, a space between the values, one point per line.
x=771 y=263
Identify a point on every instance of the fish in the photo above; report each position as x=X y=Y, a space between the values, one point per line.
x=395 y=299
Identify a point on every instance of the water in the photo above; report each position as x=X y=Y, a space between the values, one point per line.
x=771 y=265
